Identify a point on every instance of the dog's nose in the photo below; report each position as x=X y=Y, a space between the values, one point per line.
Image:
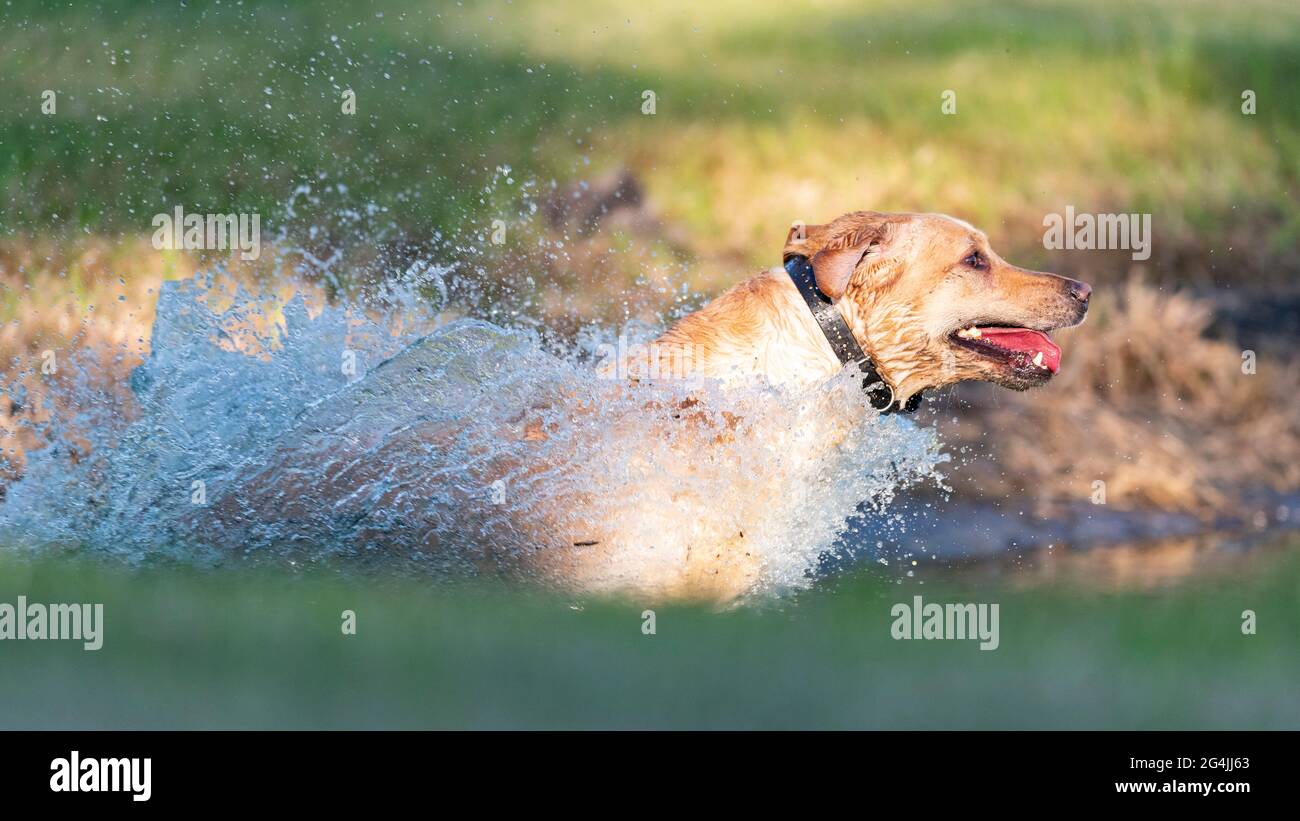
x=1079 y=291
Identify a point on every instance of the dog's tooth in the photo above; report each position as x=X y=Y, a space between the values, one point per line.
x=1038 y=359
x=974 y=332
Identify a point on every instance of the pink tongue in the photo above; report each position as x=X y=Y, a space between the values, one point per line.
x=1023 y=340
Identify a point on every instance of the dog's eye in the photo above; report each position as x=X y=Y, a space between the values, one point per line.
x=976 y=260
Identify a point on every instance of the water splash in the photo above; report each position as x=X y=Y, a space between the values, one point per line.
x=451 y=446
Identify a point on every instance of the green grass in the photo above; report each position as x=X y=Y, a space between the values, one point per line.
x=765 y=114
x=239 y=649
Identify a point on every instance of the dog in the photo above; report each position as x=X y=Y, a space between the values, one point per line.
x=912 y=302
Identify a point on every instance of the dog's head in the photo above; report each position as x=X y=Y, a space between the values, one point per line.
x=932 y=304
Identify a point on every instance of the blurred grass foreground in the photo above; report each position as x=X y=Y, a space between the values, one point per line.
x=202 y=650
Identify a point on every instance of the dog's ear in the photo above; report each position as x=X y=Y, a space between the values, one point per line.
x=834 y=250
x=833 y=268
x=835 y=263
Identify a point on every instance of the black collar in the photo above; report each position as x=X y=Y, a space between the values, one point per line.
x=841 y=339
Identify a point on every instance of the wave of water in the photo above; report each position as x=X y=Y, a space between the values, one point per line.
x=450 y=447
